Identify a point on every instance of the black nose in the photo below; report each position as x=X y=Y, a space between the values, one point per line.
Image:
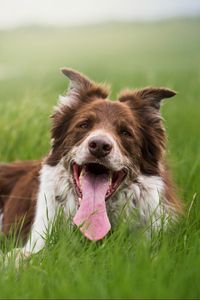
x=99 y=146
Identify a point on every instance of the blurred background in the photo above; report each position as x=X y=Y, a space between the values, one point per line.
x=129 y=43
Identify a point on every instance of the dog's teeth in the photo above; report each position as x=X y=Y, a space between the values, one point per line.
x=83 y=171
x=110 y=178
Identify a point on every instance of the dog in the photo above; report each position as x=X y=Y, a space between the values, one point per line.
x=105 y=156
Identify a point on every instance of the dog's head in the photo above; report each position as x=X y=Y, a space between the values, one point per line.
x=105 y=144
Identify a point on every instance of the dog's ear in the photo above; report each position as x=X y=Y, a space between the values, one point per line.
x=149 y=96
x=81 y=88
x=145 y=104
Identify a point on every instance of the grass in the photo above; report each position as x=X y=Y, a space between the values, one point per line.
x=124 y=265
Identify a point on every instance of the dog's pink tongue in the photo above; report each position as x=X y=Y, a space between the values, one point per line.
x=91 y=216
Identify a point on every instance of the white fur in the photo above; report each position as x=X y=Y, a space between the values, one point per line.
x=145 y=198
x=115 y=159
x=151 y=202
x=68 y=101
x=54 y=184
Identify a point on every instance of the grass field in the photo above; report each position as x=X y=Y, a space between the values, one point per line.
x=124 y=265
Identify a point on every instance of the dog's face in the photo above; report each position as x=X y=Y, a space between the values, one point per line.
x=106 y=135
x=105 y=145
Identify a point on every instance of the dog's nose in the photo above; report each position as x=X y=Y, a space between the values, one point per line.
x=99 y=146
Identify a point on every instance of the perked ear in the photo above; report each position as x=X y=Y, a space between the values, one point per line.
x=80 y=88
x=149 y=96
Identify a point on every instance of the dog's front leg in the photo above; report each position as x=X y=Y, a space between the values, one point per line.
x=45 y=213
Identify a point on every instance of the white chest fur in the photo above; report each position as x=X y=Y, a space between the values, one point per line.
x=145 y=197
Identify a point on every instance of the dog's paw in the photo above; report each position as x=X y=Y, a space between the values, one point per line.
x=16 y=257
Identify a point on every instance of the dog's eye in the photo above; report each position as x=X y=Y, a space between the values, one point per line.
x=125 y=132
x=84 y=125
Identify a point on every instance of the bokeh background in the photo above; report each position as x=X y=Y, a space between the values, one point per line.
x=127 y=43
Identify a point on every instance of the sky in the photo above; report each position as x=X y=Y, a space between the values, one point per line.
x=75 y=12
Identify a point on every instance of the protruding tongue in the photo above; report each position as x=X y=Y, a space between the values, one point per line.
x=91 y=216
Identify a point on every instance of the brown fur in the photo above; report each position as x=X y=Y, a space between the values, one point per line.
x=18 y=189
x=98 y=113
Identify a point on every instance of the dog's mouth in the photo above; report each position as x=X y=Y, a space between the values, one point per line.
x=94 y=183
x=115 y=178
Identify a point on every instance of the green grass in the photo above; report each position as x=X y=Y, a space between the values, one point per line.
x=124 y=265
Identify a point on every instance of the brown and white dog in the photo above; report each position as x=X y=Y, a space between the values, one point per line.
x=105 y=156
